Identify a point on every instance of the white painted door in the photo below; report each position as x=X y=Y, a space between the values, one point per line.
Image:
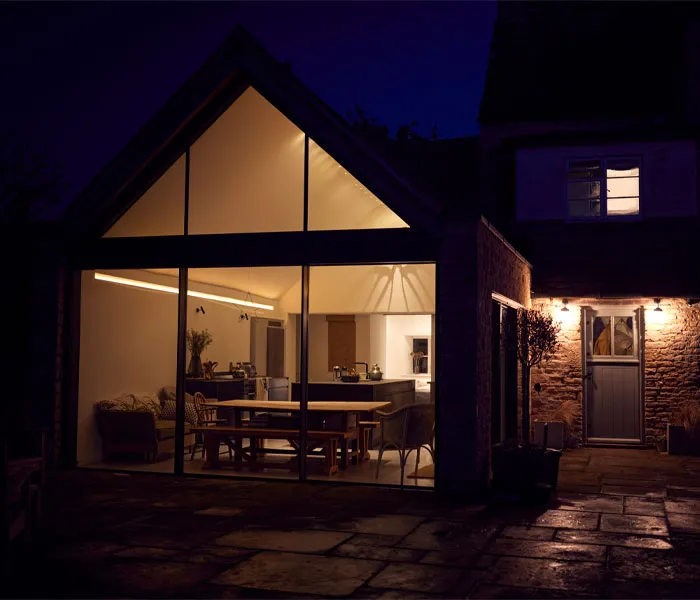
x=612 y=375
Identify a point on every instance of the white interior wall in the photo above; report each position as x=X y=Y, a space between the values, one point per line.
x=399 y=328
x=128 y=340
x=377 y=336
x=128 y=344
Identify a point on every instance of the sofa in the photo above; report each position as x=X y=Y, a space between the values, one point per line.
x=133 y=424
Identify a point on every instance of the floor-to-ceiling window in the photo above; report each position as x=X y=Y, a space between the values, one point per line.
x=219 y=360
x=371 y=373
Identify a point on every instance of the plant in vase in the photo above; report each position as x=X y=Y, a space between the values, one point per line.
x=661 y=443
x=197 y=342
x=524 y=470
x=683 y=432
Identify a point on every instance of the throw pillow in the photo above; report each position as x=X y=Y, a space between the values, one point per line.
x=191 y=413
x=147 y=402
x=167 y=411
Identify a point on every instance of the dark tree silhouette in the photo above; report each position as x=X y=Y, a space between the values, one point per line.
x=379 y=135
x=30 y=184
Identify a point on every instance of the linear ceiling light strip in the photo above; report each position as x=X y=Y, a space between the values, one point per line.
x=171 y=290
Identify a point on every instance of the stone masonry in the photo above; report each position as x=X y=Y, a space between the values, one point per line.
x=502 y=270
x=671 y=350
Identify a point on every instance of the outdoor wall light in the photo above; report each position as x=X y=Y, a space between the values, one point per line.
x=565 y=308
x=171 y=290
x=657 y=301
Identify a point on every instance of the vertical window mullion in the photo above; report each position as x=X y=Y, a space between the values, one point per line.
x=603 y=188
x=180 y=373
x=187 y=192
x=306 y=182
x=304 y=372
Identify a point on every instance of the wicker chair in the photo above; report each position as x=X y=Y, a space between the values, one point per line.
x=406 y=429
x=205 y=416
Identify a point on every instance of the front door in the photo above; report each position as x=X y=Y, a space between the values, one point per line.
x=612 y=375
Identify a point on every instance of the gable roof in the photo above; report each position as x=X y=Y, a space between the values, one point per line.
x=238 y=63
x=553 y=61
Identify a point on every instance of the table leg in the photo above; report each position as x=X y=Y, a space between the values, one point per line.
x=344 y=454
x=211 y=445
x=331 y=456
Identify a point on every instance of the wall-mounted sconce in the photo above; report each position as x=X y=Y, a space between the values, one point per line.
x=243 y=317
x=200 y=309
x=565 y=308
x=657 y=301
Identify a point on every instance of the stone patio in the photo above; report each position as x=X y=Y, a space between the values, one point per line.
x=625 y=524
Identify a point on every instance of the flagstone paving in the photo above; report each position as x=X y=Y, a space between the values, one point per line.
x=624 y=524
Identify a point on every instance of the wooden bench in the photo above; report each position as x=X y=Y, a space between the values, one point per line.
x=234 y=436
x=365 y=428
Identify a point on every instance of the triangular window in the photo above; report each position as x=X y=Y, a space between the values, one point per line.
x=339 y=201
x=160 y=211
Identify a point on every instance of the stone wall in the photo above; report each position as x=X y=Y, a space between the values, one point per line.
x=505 y=272
x=561 y=376
x=672 y=362
x=671 y=350
x=474 y=262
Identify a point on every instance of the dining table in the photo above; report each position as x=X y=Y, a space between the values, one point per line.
x=348 y=413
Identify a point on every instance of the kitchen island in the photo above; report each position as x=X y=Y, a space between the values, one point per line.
x=399 y=392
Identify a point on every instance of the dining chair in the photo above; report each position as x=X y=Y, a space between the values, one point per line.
x=206 y=417
x=408 y=428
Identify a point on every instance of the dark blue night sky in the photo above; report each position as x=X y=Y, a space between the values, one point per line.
x=79 y=79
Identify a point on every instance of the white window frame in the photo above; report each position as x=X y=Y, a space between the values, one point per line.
x=429 y=357
x=603 y=188
x=612 y=312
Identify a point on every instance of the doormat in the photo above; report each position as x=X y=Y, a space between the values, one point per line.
x=426 y=472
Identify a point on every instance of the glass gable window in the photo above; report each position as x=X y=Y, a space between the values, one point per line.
x=161 y=209
x=246 y=175
x=247 y=171
x=600 y=188
x=339 y=201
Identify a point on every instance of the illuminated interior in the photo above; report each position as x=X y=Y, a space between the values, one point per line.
x=247 y=176
x=129 y=346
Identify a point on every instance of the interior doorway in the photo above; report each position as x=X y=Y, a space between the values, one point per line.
x=612 y=384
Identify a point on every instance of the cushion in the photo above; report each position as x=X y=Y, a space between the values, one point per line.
x=148 y=402
x=131 y=403
x=167 y=412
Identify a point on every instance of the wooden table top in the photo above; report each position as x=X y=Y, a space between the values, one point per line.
x=283 y=406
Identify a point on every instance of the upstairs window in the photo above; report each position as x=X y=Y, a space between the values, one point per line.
x=603 y=187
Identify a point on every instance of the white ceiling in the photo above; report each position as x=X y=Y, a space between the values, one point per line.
x=268 y=282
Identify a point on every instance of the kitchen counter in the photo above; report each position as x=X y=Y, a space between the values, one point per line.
x=361 y=382
x=397 y=391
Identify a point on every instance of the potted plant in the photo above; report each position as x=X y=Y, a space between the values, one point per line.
x=683 y=432
x=523 y=469
x=197 y=342
x=561 y=423
x=661 y=443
